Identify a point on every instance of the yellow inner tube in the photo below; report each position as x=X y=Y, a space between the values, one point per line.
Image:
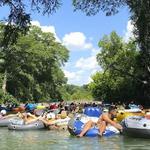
x=122 y=115
x=40 y=107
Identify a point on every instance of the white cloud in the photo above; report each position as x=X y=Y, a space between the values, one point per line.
x=70 y=75
x=46 y=29
x=95 y=70
x=95 y=51
x=80 y=76
x=74 y=77
x=80 y=72
x=129 y=31
x=76 y=41
x=88 y=63
x=84 y=68
x=89 y=80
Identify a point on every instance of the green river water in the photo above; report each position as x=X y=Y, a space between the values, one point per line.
x=52 y=140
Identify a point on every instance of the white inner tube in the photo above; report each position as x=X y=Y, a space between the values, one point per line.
x=137 y=122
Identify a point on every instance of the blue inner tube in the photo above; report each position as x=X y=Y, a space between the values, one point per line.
x=30 y=107
x=92 y=111
x=76 y=126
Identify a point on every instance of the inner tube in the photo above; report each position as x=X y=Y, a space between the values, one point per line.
x=40 y=107
x=39 y=112
x=136 y=126
x=133 y=110
x=92 y=111
x=133 y=106
x=75 y=126
x=30 y=107
x=18 y=109
x=62 y=122
x=5 y=122
x=59 y=124
x=25 y=127
x=124 y=114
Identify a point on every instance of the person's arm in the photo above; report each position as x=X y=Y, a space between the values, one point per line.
x=113 y=123
x=30 y=115
x=47 y=123
x=44 y=121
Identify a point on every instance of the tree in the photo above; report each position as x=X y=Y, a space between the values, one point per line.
x=140 y=16
x=18 y=20
x=119 y=80
x=116 y=56
x=33 y=66
x=74 y=92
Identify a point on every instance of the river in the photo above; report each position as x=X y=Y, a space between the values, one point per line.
x=52 y=140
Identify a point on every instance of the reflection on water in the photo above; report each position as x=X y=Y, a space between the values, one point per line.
x=45 y=140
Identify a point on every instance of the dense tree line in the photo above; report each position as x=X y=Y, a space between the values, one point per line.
x=140 y=17
x=76 y=93
x=119 y=80
x=31 y=68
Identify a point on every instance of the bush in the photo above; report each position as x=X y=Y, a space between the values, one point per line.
x=6 y=97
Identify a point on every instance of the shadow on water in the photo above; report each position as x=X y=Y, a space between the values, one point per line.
x=45 y=140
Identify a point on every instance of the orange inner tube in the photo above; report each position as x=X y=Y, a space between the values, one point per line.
x=18 y=109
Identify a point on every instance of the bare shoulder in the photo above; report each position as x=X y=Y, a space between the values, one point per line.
x=105 y=115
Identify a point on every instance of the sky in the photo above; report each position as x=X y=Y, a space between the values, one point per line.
x=80 y=34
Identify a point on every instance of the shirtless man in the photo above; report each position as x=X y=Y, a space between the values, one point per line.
x=104 y=120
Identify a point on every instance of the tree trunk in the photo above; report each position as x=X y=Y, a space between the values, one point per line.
x=4 y=82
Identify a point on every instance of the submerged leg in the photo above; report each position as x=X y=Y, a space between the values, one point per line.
x=87 y=126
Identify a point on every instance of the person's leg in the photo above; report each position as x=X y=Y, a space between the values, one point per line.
x=25 y=118
x=102 y=127
x=87 y=126
x=31 y=121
